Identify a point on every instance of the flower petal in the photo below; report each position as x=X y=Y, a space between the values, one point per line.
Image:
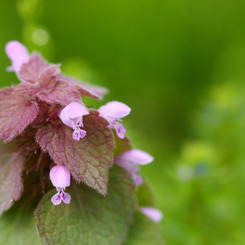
x=138 y=179
x=18 y=53
x=15 y=49
x=56 y=199
x=114 y=109
x=60 y=177
x=153 y=213
x=120 y=130
x=71 y=112
x=137 y=156
x=127 y=165
x=66 y=197
x=78 y=134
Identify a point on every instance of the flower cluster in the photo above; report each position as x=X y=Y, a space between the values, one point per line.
x=46 y=121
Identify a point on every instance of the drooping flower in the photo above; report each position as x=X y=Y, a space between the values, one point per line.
x=152 y=213
x=18 y=54
x=129 y=161
x=72 y=116
x=113 y=112
x=60 y=178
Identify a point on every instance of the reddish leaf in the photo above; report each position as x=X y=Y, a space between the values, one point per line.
x=88 y=160
x=16 y=113
x=86 y=89
x=49 y=90
x=62 y=94
x=31 y=71
x=48 y=77
x=26 y=89
x=11 y=165
x=5 y=93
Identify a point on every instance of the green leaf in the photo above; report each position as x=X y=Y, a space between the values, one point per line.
x=17 y=227
x=89 y=159
x=143 y=232
x=122 y=145
x=145 y=196
x=90 y=219
x=11 y=165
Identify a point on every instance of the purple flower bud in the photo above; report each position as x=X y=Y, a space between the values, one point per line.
x=60 y=178
x=72 y=116
x=18 y=54
x=129 y=160
x=113 y=112
x=152 y=213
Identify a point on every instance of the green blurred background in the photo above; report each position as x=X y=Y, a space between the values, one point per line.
x=180 y=65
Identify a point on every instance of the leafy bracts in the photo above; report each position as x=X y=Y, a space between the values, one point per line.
x=72 y=164
x=87 y=160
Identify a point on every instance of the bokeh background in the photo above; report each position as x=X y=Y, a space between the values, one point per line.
x=180 y=65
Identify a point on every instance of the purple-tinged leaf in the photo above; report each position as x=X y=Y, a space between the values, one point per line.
x=89 y=219
x=26 y=89
x=47 y=78
x=11 y=165
x=48 y=89
x=16 y=113
x=31 y=71
x=62 y=94
x=5 y=93
x=85 y=89
x=87 y=160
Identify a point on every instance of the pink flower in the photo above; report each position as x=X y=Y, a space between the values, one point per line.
x=60 y=178
x=18 y=54
x=113 y=112
x=72 y=116
x=129 y=161
x=152 y=213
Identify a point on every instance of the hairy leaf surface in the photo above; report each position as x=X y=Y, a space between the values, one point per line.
x=11 y=165
x=16 y=113
x=143 y=231
x=31 y=71
x=87 y=160
x=17 y=227
x=90 y=219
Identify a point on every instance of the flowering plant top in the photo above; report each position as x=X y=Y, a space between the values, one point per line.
x=53 y=139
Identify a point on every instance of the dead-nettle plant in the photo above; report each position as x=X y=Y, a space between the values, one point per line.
x=56 y=155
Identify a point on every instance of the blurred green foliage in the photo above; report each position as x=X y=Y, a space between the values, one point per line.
x=180 y=66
